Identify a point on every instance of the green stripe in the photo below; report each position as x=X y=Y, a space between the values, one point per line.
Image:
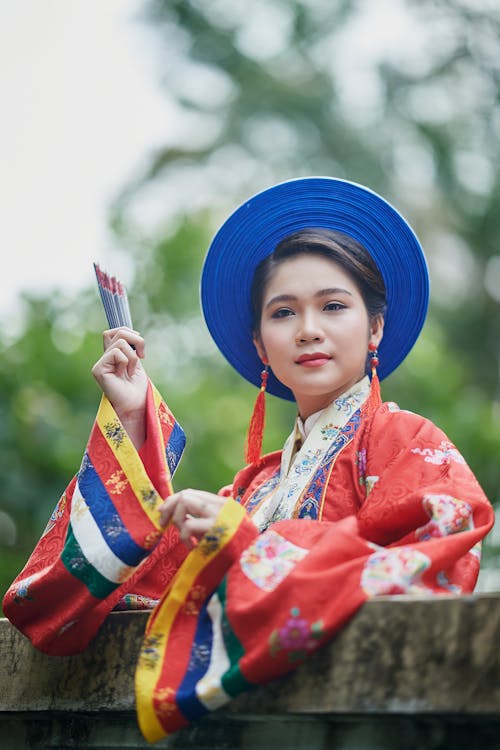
x=233 y=680
x=77 y=564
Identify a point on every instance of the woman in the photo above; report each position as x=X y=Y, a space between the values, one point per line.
x=306 y=288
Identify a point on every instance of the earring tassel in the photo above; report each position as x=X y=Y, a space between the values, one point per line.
x=253 y=445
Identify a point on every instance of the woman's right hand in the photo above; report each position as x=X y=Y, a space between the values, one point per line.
x=120 y=374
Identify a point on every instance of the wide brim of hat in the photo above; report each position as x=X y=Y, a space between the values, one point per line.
x=254 y=229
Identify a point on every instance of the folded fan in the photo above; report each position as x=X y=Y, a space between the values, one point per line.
x=114 y=299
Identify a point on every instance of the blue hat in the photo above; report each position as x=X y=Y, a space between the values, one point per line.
x=252 y=232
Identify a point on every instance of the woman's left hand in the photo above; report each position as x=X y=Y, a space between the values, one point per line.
x=192 y=511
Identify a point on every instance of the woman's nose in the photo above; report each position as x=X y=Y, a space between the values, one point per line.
x=309 y=329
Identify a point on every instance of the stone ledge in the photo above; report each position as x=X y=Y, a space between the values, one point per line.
x=397 y=656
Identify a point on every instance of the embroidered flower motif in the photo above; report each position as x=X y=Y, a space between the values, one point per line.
x=152 y=539
x=117 y=482
x=328 y=431
x=150 y=651
x=165 y=704
x=270 y=559
x=443 y=581
x=114 y=432
x=164 y=415
x=370 y=483
x=296 y=636
x=195 y=599
x=57 y=513
x=361 y=462
x=149 y=496
x=304 y=463
x=135 y=602
x=395 y=571
x=21 y=591
x=200 y=657
x=213 y=540
x=448 y=516
x=445 y=454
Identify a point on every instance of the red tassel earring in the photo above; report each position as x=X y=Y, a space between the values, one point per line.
x=374 y=362
x=253 y=446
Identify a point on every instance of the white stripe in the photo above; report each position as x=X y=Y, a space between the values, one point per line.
x=93 y=544
x=209 y=689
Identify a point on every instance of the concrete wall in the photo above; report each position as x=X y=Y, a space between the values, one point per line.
x=405 y=674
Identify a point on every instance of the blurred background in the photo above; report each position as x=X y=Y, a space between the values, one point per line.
x=131 y=128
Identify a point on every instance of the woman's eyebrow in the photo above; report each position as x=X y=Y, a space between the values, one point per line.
x=320 y=293
x=332 y=290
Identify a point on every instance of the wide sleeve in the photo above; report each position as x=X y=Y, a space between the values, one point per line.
x=103 y=539
x=248 y=617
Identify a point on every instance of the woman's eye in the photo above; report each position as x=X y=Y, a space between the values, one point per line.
x=283 y=312
x=334 y=306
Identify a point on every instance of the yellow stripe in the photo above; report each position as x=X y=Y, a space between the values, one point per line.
x=161 y=620
x=128 y=459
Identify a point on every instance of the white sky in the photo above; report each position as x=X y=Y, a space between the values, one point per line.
x=80 y=110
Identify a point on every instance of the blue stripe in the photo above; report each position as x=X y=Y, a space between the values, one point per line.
x=199 y=662
x=175 y=447
x=106 y=517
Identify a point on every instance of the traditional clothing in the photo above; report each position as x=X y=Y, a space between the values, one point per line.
x=375 y=501
x=364 y=500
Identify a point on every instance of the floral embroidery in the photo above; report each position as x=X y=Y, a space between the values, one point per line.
x=370 y=483
x=165 y=416
x=395 y=571
x=200 y=657
x=115 y=432
x=57 y=513
x=296 y=636
x=270 y=559
x=135 y=601
x=165 y=703
x=152 y=539
x=329 y=431
x=117 y=482
x=263 y=491
x=195 y=599
x=448 y=516
x=149 y=496
x=21 y=590
x=445 y=454
x=304 y=464
x=150 y=652
x=213 y=540
x=361 y=463
x=443 y=581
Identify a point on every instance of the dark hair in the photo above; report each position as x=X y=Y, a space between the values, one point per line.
x=336 y=246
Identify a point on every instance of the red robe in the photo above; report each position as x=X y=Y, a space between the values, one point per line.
x=392 y=509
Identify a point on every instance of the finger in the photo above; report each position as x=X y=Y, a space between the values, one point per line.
x=133 y=339
x=121 y=345
x=114 y=361
x=195 y=527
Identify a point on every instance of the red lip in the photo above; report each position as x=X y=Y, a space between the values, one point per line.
x=316 y=359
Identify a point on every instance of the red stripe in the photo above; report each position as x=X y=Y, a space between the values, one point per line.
x=134 y=518
x=60 y=598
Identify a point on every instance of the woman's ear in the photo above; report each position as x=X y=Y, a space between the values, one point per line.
x=257 y=342
x=376 y=330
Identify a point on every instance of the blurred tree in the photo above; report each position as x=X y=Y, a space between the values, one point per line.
x=400 y=96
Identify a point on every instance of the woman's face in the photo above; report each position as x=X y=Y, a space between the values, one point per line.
x=315 y=330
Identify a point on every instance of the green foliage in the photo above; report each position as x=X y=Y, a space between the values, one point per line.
x=298 y=94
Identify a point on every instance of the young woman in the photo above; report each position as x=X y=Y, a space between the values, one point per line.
x=309 y=288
